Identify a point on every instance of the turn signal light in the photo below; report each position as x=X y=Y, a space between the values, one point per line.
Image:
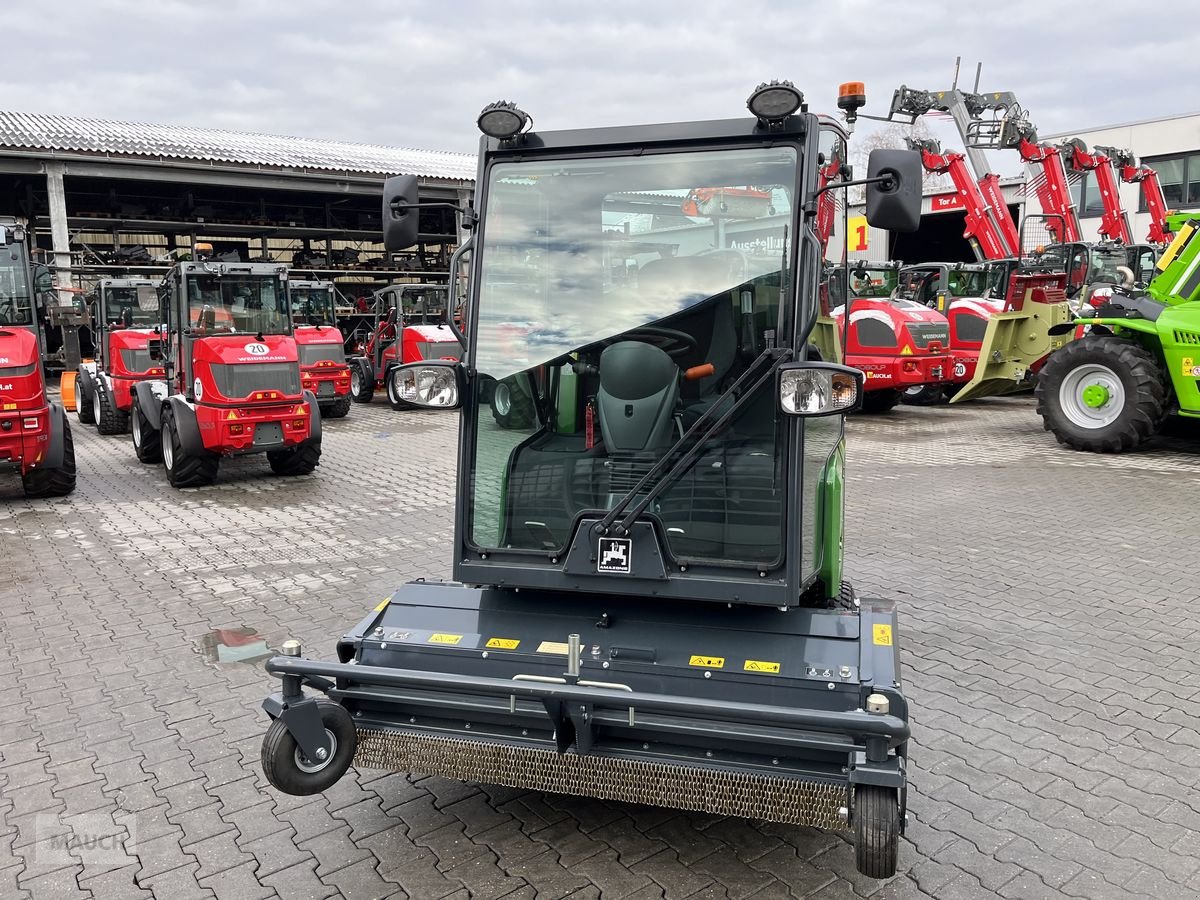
x=236 y=428
x=30 y=424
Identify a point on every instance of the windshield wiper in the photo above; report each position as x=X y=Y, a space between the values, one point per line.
x=703 y=429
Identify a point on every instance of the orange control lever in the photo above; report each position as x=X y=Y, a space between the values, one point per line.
x=695 y=373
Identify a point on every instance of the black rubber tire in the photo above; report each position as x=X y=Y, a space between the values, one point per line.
x=300 y=461
x=512 y=404
x=186 y=470
x=83 y=401
x=879 y=402
x=927 y=395
x=279 y=751
x=847 y=598
x=362 y=384
x=337 y=409
x=110 y=419
x=1142 y=380
x=147 y=445
x=53 y=482
x=876 y=830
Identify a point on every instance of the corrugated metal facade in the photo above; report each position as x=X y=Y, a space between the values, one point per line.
x=32 y=132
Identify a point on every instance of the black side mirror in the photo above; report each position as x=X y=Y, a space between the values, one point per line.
x=894 y=204
x=43 y=281
x=155 y=348
x=400 y=213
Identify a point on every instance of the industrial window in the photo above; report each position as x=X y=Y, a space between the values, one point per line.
x=1179 y=176
x=1085 y=194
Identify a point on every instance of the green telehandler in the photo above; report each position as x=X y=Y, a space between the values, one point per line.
x=1112 y=389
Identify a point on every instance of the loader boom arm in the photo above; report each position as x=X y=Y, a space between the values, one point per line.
x=1114 y=225
x=1152 y=193
x=1053 y=192
x=983 y=230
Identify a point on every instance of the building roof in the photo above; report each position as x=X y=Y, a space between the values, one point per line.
x=1133 y=124
x=34 y=133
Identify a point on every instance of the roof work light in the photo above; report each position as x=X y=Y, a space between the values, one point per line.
x=502 y=120
x=774 y=101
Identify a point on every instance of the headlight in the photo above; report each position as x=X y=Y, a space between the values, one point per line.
x=819 y=389
x=435 y=387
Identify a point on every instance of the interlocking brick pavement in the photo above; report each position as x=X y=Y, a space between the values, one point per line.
x=1048 y=629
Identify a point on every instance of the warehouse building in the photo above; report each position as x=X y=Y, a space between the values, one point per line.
x=107 y=197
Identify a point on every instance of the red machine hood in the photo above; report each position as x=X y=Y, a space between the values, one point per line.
x=21 y=384
x=18 y=347
x=317 y=334
x=131 y=338
x=245 y=348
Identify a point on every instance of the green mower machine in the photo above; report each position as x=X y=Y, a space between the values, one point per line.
x=1139 y=362
x=648 y=603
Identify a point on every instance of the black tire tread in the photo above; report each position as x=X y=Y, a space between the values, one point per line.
x=1150 y=394
x=151 y=448
x=83 y=402
x=367 y=383
x=278 y=754
x=190 y=471
x=53 y=482
x=930 y=395
x=880 y=402
x=338 y=408
x=876 y=830
x=112 y=420
x=522 y=413
x=300 y=461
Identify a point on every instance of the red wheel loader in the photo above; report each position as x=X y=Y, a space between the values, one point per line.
x=35 y=437
x=232 y=376
x=124 y=316
x=323 y=368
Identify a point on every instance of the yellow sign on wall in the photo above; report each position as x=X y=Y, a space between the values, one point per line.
x=857 y=231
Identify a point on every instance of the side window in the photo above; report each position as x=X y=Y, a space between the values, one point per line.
x=831 y=147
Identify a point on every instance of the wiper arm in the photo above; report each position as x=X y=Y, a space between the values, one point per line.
x=703 y=429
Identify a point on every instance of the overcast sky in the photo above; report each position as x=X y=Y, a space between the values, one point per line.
x=416 y=74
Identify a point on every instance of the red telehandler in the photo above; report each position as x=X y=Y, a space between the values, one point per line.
x=35 y=437
x=232 y=384
x=124 y=317
x=323 y=368
x=1152 y=192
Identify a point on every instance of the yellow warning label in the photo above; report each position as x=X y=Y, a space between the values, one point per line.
x=707 y=662
x=758 y=665
x=907 y=351
x=552 y=647
x=502 y=643
x=882 y=635
x=1190 y=369
x=440 y=638
x=383 y=604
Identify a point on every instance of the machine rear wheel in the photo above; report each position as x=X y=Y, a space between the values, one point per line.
x=338 y=408
x=185 y=469
x=512 y=404
x=876 y=830
x=83 y=402
x=300 y=461
x=146 y=442
x=924 y=395
x=109 y=419
x=880 y=401
x=53 y=482
x=362 y=387
x=289 y=771
x=1102 y=393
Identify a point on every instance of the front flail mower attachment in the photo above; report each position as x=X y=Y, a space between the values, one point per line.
x=640 y=721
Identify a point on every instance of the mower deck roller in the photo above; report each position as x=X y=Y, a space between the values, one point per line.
x=648 y=602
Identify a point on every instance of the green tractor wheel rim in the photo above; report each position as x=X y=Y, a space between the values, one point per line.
x=1092 y=396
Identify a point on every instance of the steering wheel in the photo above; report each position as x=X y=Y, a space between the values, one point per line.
x=672 y=342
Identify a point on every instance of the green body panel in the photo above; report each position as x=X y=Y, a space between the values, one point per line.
x=1013 y=344
x=833 y=519
x=1179 y=334
x=825 y=338
x=1177 y=279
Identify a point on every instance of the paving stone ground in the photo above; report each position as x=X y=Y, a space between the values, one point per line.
x=1049 y=627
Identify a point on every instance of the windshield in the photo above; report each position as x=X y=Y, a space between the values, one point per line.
x=1104 y=261
x=123 y=308
x=238 y=302
x=617 y=299
x=313 y=306
x=16 y=300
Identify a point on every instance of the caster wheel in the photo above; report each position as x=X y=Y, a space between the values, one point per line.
x=289 y=771
x=876 y=830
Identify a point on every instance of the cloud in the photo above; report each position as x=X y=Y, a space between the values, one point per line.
x=416 y=74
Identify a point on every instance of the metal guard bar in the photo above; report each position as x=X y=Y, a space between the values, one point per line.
x=856 y=723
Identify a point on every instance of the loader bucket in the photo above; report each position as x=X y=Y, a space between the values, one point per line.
x=66 y=388
x=1018 y=340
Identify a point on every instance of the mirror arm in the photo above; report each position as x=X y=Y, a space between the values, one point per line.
x=810 y=208
x=455 y=259
x=400 y=207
